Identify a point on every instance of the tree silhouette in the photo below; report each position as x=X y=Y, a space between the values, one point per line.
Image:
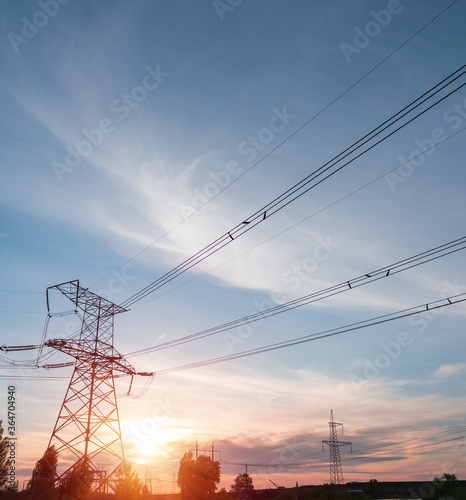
x=222 y=495
x=77 y=483
x=43 y=475
x=371 y=489
x=243 y=482
x=198 y=478
x=4 y=461
x=445 y=486
x=128 y=485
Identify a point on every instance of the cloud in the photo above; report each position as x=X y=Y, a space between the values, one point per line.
x=445 y=372
x=140 y=194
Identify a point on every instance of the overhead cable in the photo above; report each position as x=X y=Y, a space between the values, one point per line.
x=399 y=120
x=437 y=304
x=346 y=285
x=295 y=132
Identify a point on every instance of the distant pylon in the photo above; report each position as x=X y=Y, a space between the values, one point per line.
x=88 y=425
x=336 y=473
x=148 y=478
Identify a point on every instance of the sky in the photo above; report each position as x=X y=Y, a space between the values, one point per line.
x=135 y=133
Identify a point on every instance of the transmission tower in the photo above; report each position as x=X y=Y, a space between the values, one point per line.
x=148 y=478
x=88 y=426
x=336 y=473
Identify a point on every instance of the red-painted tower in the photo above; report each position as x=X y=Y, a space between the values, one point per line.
x=87 y=428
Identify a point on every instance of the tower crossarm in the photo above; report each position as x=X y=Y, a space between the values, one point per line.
x=82 y=298
x=80 y=352
x=336 y=443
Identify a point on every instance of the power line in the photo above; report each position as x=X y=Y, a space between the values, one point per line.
x=364 y=279
x=434 y=146
x=438 y=304
x=420 y=442
x=386 y=271
x=350 y=154
x=22 y=312
x=339 y=200
x=431 y=439
x=305 y=124
x=29 y=377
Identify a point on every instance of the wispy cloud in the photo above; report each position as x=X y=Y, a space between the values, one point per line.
x=449 y=371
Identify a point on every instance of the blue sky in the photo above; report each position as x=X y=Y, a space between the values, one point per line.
x=121 y=119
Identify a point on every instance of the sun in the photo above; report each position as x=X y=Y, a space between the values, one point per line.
x=145 y=439
x=150 y=447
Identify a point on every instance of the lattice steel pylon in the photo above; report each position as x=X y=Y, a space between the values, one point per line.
x=336 y=472
x=88 y=425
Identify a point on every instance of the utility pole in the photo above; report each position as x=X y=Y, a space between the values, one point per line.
x=246 y=465
x=102 y=473
x=336 y=473
x=174 y=483
x=212 y=451
x=148 y=478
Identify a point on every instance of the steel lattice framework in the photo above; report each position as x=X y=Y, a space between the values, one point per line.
x=336 y=472
x=88 y=427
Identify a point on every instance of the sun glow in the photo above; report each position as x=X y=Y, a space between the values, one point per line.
x=151 y=447
x=145 y=439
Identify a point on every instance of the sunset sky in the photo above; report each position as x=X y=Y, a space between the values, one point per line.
x=135 y=133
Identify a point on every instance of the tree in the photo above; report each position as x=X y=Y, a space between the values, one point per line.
x=445 y=485
x=4 y=460
x=371 y=489
x=145 y=493
x=406 y=491
x=128 y=485
x=77 y=483
x=198 y=478
x=327 y=491
x=44 y=474
x=243 y=482
x=222 y=495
